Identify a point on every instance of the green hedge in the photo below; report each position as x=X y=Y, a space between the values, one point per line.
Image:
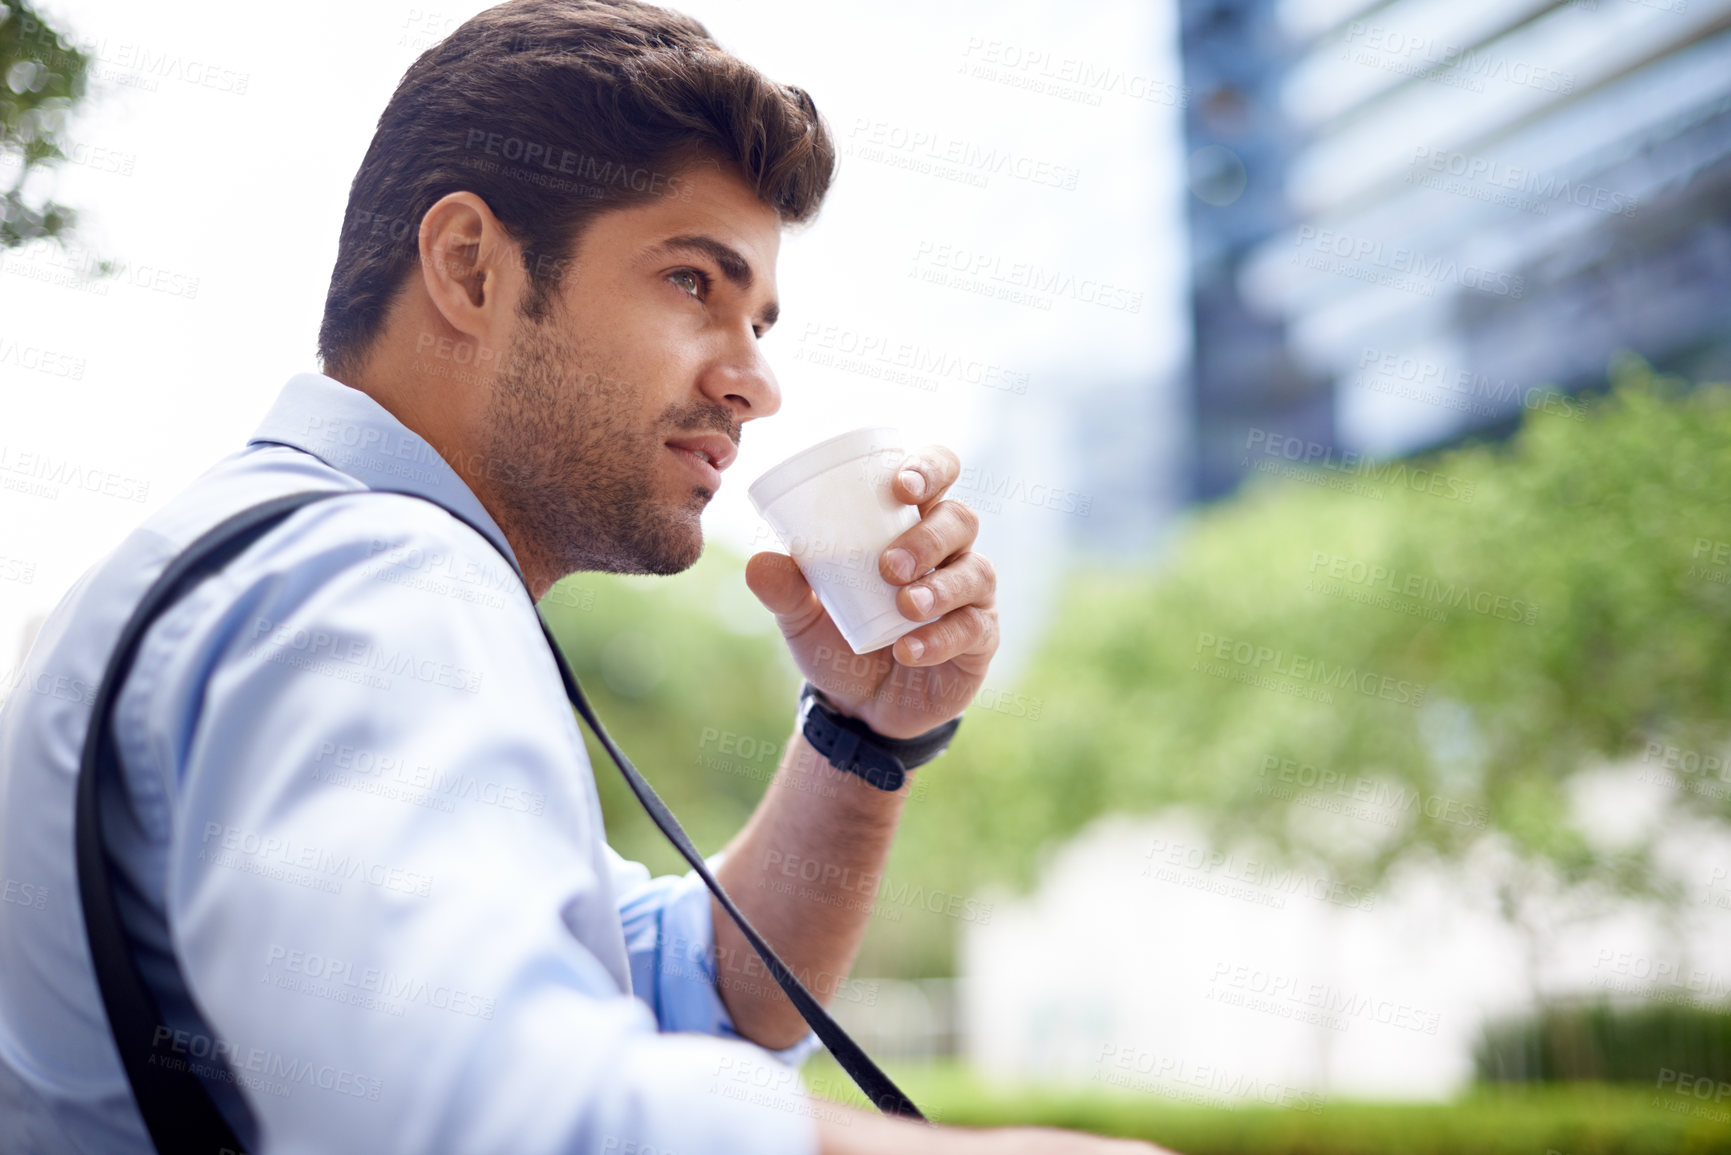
x=1569 y=1119
x=1637 y=1044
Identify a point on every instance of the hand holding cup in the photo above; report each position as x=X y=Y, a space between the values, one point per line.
x=883 y=602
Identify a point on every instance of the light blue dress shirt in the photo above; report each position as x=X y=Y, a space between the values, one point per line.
x=357 y=804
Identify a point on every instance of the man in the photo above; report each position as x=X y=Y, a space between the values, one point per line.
x=558 y=258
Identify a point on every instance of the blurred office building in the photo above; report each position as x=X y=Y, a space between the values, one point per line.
x=1409 y=222
x=1413 y=220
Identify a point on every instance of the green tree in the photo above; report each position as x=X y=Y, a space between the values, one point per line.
x=42 y=78
x=1489 y=624
x=1537 y=607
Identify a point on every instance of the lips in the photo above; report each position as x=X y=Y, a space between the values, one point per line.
x=707 y=454
x=714 y=449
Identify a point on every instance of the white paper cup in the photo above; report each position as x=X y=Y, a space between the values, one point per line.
x=833 y=511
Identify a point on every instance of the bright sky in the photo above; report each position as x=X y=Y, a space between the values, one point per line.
x=217 y=160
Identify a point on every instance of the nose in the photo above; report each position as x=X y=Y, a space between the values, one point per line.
x=744 y=382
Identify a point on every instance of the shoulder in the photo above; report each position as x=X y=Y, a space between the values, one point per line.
x=371 y=525
x=357 y=577
x=363 y=612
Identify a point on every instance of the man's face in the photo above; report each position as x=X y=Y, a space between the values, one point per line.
x=645 y=365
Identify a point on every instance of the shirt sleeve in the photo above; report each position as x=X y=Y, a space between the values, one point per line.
x=670 y=936
x=387 y=882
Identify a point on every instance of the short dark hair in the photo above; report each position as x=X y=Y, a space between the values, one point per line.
x=553 y=112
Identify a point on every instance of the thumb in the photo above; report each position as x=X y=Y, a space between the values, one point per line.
x=782 y=589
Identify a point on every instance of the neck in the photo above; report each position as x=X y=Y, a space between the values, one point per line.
x=436 y=417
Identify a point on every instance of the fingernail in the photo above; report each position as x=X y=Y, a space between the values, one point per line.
x=901 y=564
x=915 y=648
x=922 y=599
x=914 y=482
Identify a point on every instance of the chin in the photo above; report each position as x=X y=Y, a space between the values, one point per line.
x=676 y=547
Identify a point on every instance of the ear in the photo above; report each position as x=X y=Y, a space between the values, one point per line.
x=471 y=269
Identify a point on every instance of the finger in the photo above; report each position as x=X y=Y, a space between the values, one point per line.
x=947 y=528
x=969 y=630
x=925 y=474
x=965 y=580
x=778 y=584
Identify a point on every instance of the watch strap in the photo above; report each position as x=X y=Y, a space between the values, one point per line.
x=854 y=747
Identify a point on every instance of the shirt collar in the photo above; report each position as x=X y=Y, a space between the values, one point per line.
x=349 y=431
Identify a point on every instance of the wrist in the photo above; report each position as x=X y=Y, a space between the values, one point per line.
x=853 y=746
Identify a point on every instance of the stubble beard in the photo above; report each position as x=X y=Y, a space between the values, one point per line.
x=578 y=468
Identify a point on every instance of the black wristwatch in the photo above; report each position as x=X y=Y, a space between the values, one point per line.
x=851 y=745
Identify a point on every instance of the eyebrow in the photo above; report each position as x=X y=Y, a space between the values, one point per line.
x=733 y=266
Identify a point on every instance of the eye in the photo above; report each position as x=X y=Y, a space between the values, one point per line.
x=696 y=278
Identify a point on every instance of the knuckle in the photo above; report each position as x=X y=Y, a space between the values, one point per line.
x=988 y=571
x=975 y=627
x=955 y=630
x=930 y=542
x=965 y=514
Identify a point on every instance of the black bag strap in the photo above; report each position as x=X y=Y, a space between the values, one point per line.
x=177 y=1109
